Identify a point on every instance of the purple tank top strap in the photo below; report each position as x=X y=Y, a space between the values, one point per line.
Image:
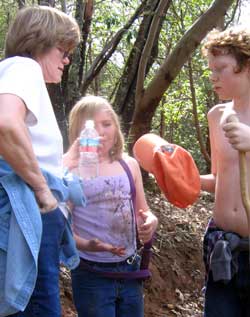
x=131 y=180
x=146 y=250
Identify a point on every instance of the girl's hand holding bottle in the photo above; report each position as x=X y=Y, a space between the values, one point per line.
x=71 y=158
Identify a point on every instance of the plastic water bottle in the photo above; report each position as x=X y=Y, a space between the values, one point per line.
x=89 y=142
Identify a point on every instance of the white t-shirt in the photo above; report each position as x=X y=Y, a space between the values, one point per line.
x=23 y=77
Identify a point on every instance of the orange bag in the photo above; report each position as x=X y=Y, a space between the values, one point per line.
x=173 y=167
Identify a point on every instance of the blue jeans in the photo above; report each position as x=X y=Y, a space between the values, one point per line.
x=97 y=296
x=231 y=299
x=45 y=300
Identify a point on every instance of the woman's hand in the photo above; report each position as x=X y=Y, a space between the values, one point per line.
x=45 y=199
x=147 y=224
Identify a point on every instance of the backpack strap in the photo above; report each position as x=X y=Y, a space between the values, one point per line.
x=131 y=180
x=146 y=250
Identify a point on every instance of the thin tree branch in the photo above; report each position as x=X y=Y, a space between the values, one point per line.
x=148 y=48
x=108 y=50
x=195 y=114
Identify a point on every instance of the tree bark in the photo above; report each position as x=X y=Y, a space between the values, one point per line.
x=73 y=74
x=21 y=4
x=125 y=96
x=50 y=3
x=196 y=120
x=163 y=4
x=88 y=13
x=56 y=96
x=107 y=51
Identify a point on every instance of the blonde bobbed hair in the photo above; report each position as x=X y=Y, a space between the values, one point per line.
x=84 y=110
x=37 y=29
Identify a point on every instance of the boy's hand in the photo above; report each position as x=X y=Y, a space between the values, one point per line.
x=238 y=135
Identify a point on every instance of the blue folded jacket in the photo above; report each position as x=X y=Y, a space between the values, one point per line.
x=20 y=235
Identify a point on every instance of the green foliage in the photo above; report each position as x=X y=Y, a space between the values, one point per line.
x=7 y=11
x=109 y=17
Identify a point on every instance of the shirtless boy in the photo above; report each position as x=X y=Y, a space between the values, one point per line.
x=225 y=249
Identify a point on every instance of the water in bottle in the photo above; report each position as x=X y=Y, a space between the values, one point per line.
x=89 y=142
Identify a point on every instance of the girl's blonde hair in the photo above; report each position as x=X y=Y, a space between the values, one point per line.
x=84 y=110
x=37 y=29
x=234 y=41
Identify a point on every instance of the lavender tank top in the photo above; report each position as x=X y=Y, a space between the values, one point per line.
x=108 y=216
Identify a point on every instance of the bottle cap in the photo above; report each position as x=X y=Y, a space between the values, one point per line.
x=89 y=124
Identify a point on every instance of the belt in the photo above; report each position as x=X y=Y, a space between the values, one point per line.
x=129 y=260
x=139 y=275
x=244 y=245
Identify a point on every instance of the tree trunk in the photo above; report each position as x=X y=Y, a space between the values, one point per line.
x=196 y=120
x=50 y=3
x=125 y=97
x=102 y=58
x=21 y=4
x=145 y=56
x=73 y=74
x=151 y=96
x=55 y=93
